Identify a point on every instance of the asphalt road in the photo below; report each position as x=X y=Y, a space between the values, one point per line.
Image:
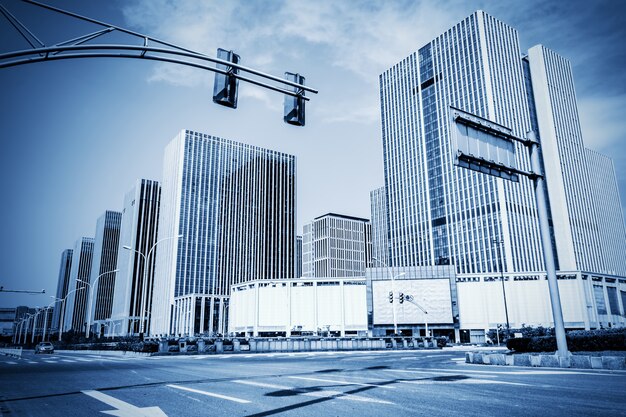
x=414 y=383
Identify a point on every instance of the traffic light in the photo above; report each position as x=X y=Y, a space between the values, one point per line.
x=401 y=297
x=294 y=105
x=391 y=296
x=225 y=86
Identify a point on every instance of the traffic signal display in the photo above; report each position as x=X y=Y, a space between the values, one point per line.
x=225 y=86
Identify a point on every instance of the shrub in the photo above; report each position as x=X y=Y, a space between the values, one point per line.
x=590 y=340
x=442 y=342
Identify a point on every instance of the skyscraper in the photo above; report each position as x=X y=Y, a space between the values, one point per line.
x=554 y=114
x=609 y=214
x=378 y=206
x=487 y=227
x=440 y=214
x=62 y=288
x=337 y=246
x=298 y=265
x=234 y=204
x=75 y=317
x=102 y=277
x=136 y=257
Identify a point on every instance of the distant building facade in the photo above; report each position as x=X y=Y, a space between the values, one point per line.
x=62 y=288
x=235 y=205
x=75 y=315
x=136 y=258
x=102 y=279
x=337 y=246
x=298 y=265
x=380 y=240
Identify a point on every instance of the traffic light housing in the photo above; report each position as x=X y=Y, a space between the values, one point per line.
x=225 y=87
x=294 y=105
x=401 y=296
x=391 y=296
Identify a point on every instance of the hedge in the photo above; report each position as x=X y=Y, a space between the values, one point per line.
x=576 y=341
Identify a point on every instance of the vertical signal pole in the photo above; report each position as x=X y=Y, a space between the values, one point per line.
x=542 y=213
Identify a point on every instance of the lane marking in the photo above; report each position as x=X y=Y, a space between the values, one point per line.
x=11 y=363
x=332 y=381
x=463 y=381
x=318 y=394
x=124 y=409
x=209 y=394
x=68 y=360
x=520 y=372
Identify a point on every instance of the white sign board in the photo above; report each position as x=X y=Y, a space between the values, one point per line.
x=482 y=145
x=433 y=295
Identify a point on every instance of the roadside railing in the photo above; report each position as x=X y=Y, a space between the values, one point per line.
x=16 y=352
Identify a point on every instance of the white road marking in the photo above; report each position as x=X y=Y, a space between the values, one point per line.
x=458 y=359
x=67 y=360
x=11 y=363
x=469 y=381
x=83 y=359
x=522 y=372
x=124 y=409
x=318 y=394
x=210 y=394
x=333 y=381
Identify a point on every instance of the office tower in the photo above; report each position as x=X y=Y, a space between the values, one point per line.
x=298 y=265
x=609 y=214
x=102 y=280
x=234 y=205
x=62 y=288
x=554 y=113
x=132 y=302
x=438 y=213
x=337 y=246
x=75 y=317
x=380 y=246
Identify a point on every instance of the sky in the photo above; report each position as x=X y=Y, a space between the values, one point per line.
x=76 y=134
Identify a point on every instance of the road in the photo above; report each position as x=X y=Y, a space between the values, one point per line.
x=408 y=383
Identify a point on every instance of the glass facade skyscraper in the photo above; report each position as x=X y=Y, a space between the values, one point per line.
x=62 y=287
x=104 y=262
x=75 y=315
x=440 y=214
x=132 y=301
x=235 y=205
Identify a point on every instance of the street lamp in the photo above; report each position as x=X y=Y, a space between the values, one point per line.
x=62 y=318
x=91 y=287
x=32 y=339
x=45 y=322
x=411 y=300
x=144 y=285
x=393 y=291
x=499 y=242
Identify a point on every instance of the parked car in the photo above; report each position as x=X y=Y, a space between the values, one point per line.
x=44 y=347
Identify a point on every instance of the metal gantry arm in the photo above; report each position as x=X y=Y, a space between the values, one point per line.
x=165 y=52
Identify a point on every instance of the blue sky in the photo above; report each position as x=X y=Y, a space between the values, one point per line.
x=77 y=133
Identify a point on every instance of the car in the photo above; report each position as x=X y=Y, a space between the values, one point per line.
x=44 y=347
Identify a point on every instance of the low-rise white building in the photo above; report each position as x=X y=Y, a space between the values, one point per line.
x=299 y=306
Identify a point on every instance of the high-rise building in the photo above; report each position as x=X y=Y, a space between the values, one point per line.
x=234 y=205
x=298 y=265
x=102 y=280
x=62 y=288
x=609 y=214
x=380 y=245
x=75 y=315
x=485 y=227
x=136 y=257
x=337 y=246
x=555 y=119
x=438 y=213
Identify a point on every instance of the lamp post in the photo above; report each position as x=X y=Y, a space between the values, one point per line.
x=144 y=285
x=411 y=300
x=63 y=303
x=499 y=242
x=32 y=339
x=45 y=321
x=91 y=287
x=393 y=291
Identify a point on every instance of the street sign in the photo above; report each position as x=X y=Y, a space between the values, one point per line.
x=483 y=146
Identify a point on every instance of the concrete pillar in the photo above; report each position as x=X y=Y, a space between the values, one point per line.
x=201 y=345
x=236 y=345
x=219 y=346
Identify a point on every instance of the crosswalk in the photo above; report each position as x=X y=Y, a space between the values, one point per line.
x=62 y=359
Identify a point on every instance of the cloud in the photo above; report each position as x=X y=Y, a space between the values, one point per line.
x=603 y=123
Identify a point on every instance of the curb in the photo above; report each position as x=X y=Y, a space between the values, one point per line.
x=105 y=352
x=547 y=361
